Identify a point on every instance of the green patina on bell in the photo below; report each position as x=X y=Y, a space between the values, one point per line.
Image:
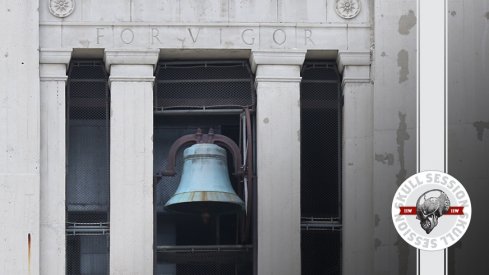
x=205 y=185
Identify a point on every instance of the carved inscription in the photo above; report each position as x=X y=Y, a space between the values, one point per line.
x=279 y=37
x=194 y=36
x=127 y=36
x=248 y=36
x=100 y=34
x=308 y=37
x=214 y=37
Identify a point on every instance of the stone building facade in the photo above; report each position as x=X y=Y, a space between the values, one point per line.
x=372 y=45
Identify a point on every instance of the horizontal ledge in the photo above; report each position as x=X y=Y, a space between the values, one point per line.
x=53 y=78
x=353 y=58
x=206 y=24
x=244 y=80
x=130 y=57
x=356 y=80
x=202 y=248
x=277 y=79
x=198 y=112
x=55 y=55
x=321 y=224
x=131 y=79
x=290 y=57
x=87 y=229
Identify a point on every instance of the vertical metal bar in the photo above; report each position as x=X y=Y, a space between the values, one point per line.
x=431 y=99
x=218 y=230
x=67 y=145
x=107 y=125
x=155 y=228
x=340 y=149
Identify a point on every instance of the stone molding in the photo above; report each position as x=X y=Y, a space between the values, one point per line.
x=55 y=56
x=53 y=64
x=131 y=79
x=354 y=66
x=52 y=72
x=353 y=58
x=277 y=79
x=130 y=57
x=273 y=57
x=53 y=78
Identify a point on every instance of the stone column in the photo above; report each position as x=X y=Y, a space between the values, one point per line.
x=19 y=138
x=131 y=160
x=357 y=183
x=53 y=67
x=278 y=161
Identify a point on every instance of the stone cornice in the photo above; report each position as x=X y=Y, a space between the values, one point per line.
x=55 y=56
x=277 y=79
x=353 y=58
x=274 y=57
x=131 y=79
x=130 y=57
x=207 y=24
x=53 y=78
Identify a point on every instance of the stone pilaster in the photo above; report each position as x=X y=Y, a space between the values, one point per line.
x=53 y=67
x=357 y=185
x=131 y=160
x=19 y=138
x=278 y=161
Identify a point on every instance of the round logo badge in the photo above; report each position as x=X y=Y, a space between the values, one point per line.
x=431 y=210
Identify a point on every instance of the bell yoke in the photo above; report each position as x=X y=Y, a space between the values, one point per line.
x=204 y=186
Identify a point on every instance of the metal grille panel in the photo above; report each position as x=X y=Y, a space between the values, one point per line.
x=320 y=140
x=209 y=269
x=204 y=85
x=321 y=108
x=87 y=185
x=92 y=258
x=321 y=252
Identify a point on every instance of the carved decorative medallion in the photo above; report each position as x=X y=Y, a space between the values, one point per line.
x=61 y=8
x=347 y=8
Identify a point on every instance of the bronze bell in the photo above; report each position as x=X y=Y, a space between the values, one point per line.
x=205 y=186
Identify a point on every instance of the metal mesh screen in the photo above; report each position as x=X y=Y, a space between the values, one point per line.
x=87 y=185
x=320 y=168
x=210 y=269
x=92 y=257
x=188 y=244
x=204 y=85
x=321 y=252
x=320 y=140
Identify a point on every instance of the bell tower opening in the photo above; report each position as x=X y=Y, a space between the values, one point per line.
x=321 y=145
x=215 y=98
x=88 y=168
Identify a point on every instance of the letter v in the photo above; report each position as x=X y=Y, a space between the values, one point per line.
x=192 y=35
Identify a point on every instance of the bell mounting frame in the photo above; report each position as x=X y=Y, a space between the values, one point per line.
x=199 y=137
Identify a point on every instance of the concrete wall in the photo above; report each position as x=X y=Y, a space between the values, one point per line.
x=394 y=69
x=225 y=24
x=468 y=125
x=205 y=11
x=19 y=137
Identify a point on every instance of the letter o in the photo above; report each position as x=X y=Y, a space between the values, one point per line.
x=124 y=38
x=279 y=37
